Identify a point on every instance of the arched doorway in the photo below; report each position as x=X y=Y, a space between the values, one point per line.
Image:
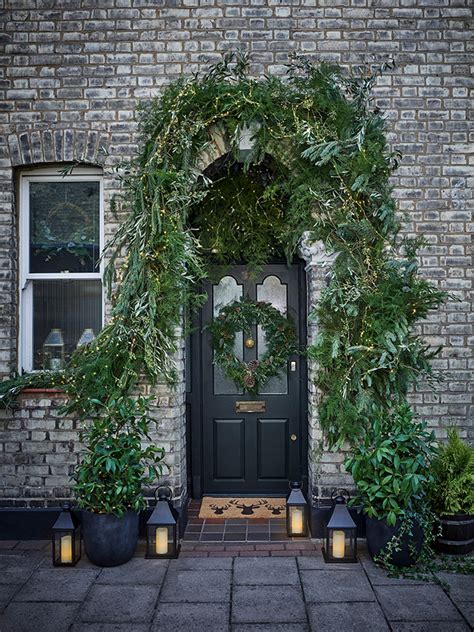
x=241 y=443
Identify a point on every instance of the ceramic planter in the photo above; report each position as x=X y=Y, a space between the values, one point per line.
x=379 y=533
x=457 y=536
x=109 y=540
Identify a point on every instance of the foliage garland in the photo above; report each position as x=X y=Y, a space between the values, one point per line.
x=322 y=126
x=241 y=316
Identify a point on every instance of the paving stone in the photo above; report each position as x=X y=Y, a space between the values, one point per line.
x=316 y=562
x=416 y=603
x=202 y=563
x=119 y=604
x=430 y=626
x=461 y=586
x=110 y=627
x=8 y=544
x=136 y=571
x=270 y=570
x=356 y=617
x=59 y=584
x=183 y=617
x=34 y=545
x=380 y=577
x=467 y=611
x=196 y=586
x=271 y=627
x=16 y=569
x=7 y=591
x=267 y=604
x=38 y=617
x=336 y=586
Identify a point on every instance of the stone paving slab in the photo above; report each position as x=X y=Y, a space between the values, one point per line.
x=416 y=603
x=316 y=562
x=202 y=563
x=110 y=627
x=356 y=616
x=268 y=604
x=267 y=570
x=59 y=584
x=336 y=586
x=467 y=611
x=431 y=626
x=272 y=627
x=196 y=586
x=16 y=569
x=119 y=604
x=7 y=592
x=38 y=617
x=461 y=586
x=184 y=617
x=135 y=572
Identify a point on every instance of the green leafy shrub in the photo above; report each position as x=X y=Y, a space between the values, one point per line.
x=115 y=464
x=453 y=471
x=391 y=467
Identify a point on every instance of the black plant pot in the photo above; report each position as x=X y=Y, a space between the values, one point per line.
x=457 y=537
x=379 y=534
x=109 y=540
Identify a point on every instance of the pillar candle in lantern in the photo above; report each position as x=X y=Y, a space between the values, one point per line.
x=161 y=541
x=66 y=549
x=297 y=521
x=338 y=544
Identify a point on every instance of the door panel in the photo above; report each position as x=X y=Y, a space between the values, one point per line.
x=249 y=453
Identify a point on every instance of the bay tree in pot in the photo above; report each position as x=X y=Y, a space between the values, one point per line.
x=116 y=464
x=452 y=495
x=391 y=468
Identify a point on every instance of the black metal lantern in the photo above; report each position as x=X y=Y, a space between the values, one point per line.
x=341 y=539
x=66 y=538
x=296 y=512
x=162 y=527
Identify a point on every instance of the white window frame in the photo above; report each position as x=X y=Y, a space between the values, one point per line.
x=79 y=174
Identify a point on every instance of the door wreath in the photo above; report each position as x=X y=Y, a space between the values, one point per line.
x=241 y=315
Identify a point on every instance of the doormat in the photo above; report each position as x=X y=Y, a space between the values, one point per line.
x=249 y=508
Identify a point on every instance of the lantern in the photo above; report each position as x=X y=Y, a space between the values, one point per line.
x=66 y=539
x=162 y=527
x=87 y=336
x=53 y=350
x=296 y=512
x=341 y=539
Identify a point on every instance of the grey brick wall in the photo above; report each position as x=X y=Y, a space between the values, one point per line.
x=72 y=72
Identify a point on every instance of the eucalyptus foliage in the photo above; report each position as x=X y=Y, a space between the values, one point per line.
x=321 y=127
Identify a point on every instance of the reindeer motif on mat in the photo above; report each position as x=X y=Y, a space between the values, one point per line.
x=247 y=510
x=219 y=509
x=276 y=509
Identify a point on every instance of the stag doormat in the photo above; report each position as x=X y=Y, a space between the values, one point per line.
x=250 y=508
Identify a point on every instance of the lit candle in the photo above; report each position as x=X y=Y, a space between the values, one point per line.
x=161 y=537
x=297 y=520
x=66 y=549
x=338 y=544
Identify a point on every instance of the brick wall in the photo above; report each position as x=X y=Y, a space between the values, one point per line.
x=71 y=77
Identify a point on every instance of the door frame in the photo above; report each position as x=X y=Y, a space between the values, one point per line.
x=194 y=403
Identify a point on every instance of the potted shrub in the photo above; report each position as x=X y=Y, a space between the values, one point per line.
x=391 y=470
x=109 y=479
x=452 y=495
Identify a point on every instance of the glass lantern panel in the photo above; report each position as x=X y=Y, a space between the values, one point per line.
x=160 y=540
x=62 y=311
x=64 y=547
x=296 y=520
x=64 y=226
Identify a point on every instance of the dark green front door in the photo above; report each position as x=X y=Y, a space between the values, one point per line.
x=238 y=452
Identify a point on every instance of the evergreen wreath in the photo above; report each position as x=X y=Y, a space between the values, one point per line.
x=241 y=316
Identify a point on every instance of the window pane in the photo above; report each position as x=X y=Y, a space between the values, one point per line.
x=64 y=226
x=64 y=313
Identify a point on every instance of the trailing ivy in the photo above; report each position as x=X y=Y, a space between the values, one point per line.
x=322 y=129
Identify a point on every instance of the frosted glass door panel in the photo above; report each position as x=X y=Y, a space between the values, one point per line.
x=273 y=291
x=225 y=292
